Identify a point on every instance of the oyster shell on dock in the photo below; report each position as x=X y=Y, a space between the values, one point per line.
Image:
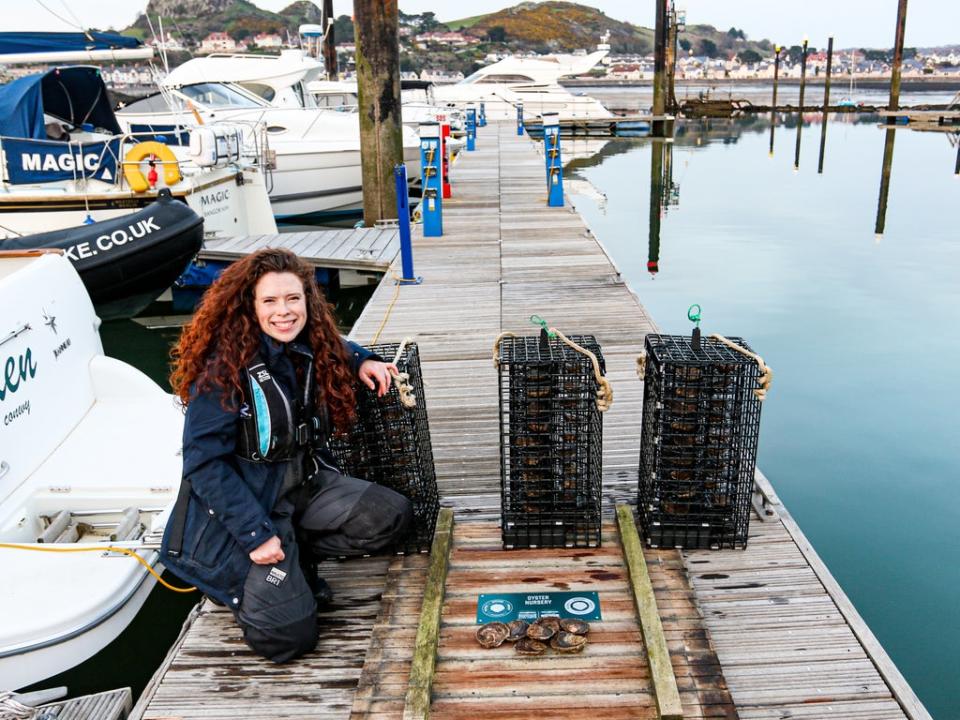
x=492 y=634
x=517 y=630
x=529 y=646
x=568 y=642
x=575 y=626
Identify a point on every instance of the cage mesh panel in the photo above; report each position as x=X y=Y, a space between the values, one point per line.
x=551 y=438
x=698 y=448
x=390 y=445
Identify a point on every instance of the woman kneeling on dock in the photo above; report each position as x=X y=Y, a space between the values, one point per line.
x=264 y=374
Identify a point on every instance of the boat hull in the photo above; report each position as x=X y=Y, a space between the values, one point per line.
x=126 y=263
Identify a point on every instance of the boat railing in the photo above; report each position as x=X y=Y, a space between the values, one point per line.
x=72 y=161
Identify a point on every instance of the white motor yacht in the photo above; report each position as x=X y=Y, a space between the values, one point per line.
x=532 y=81
x=67 y=162
x=315 y=152
x=89 y=458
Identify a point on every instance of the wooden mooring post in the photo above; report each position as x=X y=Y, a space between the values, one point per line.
x=659 y=126
x=894 y=103
x=803 y=87
x=329 y=41
x=376 y=27
x=773 y=102
x=826 y=106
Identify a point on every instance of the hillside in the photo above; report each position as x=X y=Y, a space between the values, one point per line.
x=193 y=20
x=567 y=26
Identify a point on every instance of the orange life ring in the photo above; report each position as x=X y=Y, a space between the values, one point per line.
x=141 y=151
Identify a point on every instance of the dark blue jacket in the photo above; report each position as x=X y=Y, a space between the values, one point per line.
x=228 y=512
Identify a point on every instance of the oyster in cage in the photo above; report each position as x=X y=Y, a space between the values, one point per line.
x=568 y=642
x=492 y=634
x=529 y=646
x=518 y=630
x=573 y=625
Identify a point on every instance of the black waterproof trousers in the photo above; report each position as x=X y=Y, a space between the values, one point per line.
x=328 y=515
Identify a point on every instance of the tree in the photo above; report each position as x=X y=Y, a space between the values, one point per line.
x=737 y=34
x=428 y=22
x=685 y=44
x=750 y=57
x=707 y=47
x=343 y=29
x=497 y=33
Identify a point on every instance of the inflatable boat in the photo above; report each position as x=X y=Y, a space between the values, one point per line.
x=126 y=262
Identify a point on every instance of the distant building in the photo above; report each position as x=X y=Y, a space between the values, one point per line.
x=450 y=39
x=170 y=43
x=268 y=40
x=220 y=42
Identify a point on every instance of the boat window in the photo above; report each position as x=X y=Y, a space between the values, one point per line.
x=504 y=79
x=215 y=95
x=261 y=90
x=155 y=103
x=336 y=101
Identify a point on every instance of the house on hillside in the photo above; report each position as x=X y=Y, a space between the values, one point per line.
x=220 y=42
x=448 y=39
x=268 y=40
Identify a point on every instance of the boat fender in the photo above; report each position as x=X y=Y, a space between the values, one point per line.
x=141 y=151
x=215 y=146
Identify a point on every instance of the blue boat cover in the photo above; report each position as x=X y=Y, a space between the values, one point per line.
x=75 y=95
x=45 y=42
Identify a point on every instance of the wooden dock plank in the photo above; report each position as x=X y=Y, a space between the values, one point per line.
x=772 y=639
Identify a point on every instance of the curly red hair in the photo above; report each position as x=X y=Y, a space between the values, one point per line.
x=224 y=336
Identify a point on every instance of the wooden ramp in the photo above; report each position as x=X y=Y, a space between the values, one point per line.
x=371 y=249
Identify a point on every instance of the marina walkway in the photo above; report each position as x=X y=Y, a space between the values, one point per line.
x=789 y=643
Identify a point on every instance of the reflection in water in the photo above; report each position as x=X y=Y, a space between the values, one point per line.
x=885 y=182
x=664 y=192
x=773 y=127
x=796 y=155
x=823 y=139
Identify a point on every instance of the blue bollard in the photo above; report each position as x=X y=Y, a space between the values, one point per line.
x=471 y=129
x=403 y=222
x=483 y=114
x=519 y=118
x=551 y=151
x=431 y=164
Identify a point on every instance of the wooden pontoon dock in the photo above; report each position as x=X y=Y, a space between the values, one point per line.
x=760 y=633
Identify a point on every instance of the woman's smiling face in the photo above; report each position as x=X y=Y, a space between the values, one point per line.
x=280 y=305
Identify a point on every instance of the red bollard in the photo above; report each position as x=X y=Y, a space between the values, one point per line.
x=444 y=134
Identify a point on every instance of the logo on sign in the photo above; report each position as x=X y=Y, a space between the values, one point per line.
x=497 y=607
x=579 y=606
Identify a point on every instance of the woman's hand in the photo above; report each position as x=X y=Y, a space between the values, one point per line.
x=269 y=553
x=376 y=375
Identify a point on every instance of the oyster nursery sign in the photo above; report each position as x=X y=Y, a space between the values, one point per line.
x=504 y=607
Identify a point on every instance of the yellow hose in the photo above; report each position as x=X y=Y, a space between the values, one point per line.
x=100 y=548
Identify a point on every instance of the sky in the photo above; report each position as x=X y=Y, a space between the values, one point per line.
x=853 y=23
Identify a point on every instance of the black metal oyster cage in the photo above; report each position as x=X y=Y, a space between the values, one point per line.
x=551 y=443
x=390 y=445
x=698 y=452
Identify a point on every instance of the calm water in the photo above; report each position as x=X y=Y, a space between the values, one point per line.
x=859 y=430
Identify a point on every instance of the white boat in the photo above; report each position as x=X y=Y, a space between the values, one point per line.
x=316 y=167
x=68 y=162
x=532 y=81
x=88 y=443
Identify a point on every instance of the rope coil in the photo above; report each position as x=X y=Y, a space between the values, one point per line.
x=766 y=372
x=402 y=379
x=10 y=708
x=604 y=389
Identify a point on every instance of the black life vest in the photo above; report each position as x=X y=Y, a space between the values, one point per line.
x=274 y=427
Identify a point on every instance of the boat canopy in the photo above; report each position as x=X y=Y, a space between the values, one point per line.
x=14 y=43
x=75 y=95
